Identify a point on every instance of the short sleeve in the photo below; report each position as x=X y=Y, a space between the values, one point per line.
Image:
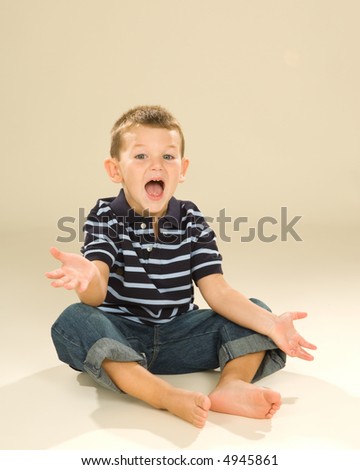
x=101 y=230
x=205 y=256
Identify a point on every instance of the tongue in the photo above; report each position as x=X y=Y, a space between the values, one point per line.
x=154 y=188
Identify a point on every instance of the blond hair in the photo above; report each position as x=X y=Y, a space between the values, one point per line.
x=153 y=116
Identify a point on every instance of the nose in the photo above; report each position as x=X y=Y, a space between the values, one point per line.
x=156 y=164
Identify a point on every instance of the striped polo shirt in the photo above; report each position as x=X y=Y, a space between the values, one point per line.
x=151 y=277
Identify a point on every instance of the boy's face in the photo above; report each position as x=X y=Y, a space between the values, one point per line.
x=150 y=167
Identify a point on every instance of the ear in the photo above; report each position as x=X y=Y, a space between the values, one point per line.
x=184 y=166
x=112 y=168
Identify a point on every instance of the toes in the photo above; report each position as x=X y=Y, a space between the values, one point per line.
x=199 y=425
x=202 y=405
x=199 y=422
x=272 y=411
x=203 y=402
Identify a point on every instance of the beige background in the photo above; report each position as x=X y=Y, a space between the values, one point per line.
x=268 y=96
x=267 y=93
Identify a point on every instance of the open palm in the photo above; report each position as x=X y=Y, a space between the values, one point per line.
x=76 y=271
x=288 y=339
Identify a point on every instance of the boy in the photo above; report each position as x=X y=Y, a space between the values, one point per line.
x=143 y=250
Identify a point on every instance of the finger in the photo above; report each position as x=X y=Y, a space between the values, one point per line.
x=58 y=283
x=62 y=282
x=56 y=274
x=296 y=350
x=298 y=315
x=306 y=344
x=57 y=254
x=71 y=284
x=68 y=281
x=83 y=285
x=304 y=355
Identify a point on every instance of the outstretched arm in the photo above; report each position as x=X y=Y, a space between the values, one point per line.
x=234 y=306
x=88 y=278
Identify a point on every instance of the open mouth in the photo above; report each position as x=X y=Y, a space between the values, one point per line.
x=155 y=188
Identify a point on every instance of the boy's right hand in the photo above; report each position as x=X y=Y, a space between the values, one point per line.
x=76 y=271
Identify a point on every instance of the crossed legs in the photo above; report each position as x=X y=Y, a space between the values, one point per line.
x=234 y=394
x=83 y=336
x=138 y=382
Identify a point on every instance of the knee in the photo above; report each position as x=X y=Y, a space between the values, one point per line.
x=71 y=322
x=69 y=334
x=75 y=314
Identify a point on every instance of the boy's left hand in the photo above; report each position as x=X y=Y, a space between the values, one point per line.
x=284 y=335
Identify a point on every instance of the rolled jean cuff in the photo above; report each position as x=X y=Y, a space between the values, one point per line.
x=273 y=361
x=107 y=348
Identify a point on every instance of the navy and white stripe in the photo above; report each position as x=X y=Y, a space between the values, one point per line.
x=151 y=279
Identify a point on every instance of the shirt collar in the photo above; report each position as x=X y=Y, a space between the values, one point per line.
x=122 y=209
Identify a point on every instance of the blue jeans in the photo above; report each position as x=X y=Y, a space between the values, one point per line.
x=199 y=340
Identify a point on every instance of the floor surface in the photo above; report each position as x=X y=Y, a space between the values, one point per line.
x=46 y=405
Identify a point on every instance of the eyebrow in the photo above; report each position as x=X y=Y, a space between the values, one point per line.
x=166 y=147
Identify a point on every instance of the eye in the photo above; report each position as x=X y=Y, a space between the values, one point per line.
x=168 y=157
x=140 y=156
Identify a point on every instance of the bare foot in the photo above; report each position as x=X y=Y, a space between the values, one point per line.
x=243 y=399
x=190 y=406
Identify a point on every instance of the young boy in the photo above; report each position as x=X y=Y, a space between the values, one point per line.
x=143 y=250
